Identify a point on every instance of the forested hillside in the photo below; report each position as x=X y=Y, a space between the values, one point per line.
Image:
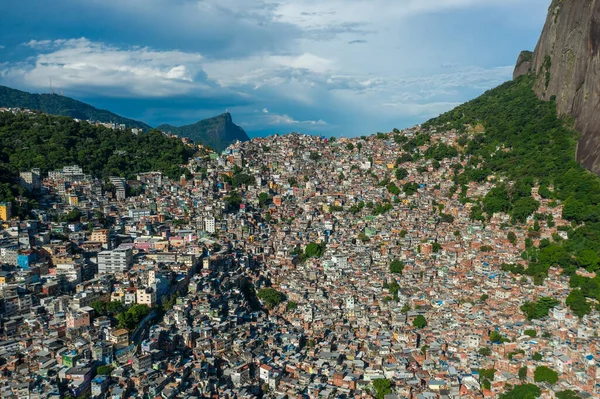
x=51 y=142
x=526 y=143
x=60 y=105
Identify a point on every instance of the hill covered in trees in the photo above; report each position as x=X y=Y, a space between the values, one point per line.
x=51 y=142
x=524 y=145
x=217 y=132
x=64 y=106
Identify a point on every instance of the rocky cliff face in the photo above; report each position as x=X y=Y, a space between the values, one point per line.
x=217 y=132
x=566 y=62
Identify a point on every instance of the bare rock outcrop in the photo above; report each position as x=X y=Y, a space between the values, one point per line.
x=566 y=62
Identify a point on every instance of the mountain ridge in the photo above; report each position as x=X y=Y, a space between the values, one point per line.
x=217 y=132
x=56 y=104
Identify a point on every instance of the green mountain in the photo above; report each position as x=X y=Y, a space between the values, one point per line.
x=55 y=104
x=50 y=142
x=528 y=145
x=217 y=132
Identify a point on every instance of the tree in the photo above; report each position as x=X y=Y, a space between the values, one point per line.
x=496 y=338
x=233 y=200
x=419 y=321
x=523 y=373
x=568 y=394
x=99 y=307
x=487 y=373
x=530 y=333
x=393 y=189
x=523 y=208
x=401 y=173
x=350 y=147
x=485 y=351
x=73 y=216
x=263 y=199
x=383 y=387
x=397 y=266
x=104 y=370
x=512 y=238
x=363 y=237
x=115 y=307
x=588 y=259
x=578 y=304
x=410 y=188
x=291 y=305
x=540 y=308
x=545 y=374
x=271 y=296
x=537 y=356
x=525 y=391
x=314 y=250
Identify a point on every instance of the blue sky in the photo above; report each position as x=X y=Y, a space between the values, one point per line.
x=335 y=67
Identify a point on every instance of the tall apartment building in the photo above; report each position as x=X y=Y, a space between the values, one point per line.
x=100 y=235
x=5 y=211
x=138 y=213
x=120 y=186
x=209 y=224
x=31 y=180
x=117 y=260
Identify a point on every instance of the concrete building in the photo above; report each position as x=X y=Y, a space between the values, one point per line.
x=30 y=180
x=117 y=260
x=5 y=211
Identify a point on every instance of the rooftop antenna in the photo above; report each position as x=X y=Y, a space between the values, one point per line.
x=51 y=89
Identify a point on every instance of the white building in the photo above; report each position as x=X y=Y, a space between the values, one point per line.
x=117 y=260
x=209 y=224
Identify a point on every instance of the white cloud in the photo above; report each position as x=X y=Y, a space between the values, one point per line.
x=265 y=117
x=349 y=62
x=83 y=64
x=286 y=120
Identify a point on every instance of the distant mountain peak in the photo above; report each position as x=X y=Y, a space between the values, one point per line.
x=217 y=132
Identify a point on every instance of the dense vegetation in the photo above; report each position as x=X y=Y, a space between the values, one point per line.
x=383 y=387
x=526 y=143
x=130 y=318
x=540 y=308
x=397 y=266
x=51 y=142
x=545 y=374
x=217 y=132
x=525 y=391
x=64 y=106
x=271 y=296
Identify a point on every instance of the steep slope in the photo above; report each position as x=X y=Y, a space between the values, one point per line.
x=566 y=63
x=526 y=144
x=63 y=106
x=49 y=142
x=217 y=132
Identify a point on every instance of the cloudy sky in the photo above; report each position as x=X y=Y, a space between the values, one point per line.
x=335 y=67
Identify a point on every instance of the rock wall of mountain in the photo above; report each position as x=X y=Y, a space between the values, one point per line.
x=566 y=62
